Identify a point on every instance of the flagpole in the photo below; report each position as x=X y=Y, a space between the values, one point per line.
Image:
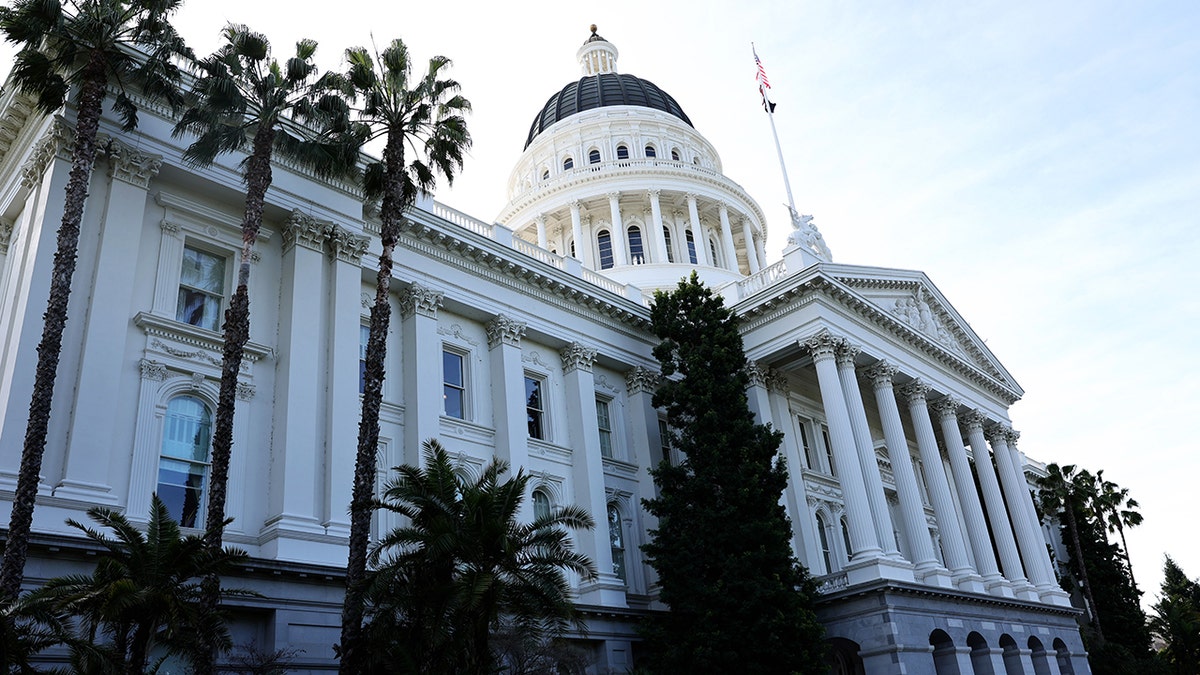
x=763 y=86
x=787 y=185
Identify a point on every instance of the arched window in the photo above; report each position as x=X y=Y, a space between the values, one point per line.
x=622 y=151
x=846 y=539
x=604 y=242
x=636 y=255
x=712 y=249
x=616 y=541
x=650 y=152
x=546 y=174
x=594 y=157
x=823 y=534
x=541 y=504
x=675 y=155
x=667 y=241
x=183 y=465
x=691 y=246
x=568 y=164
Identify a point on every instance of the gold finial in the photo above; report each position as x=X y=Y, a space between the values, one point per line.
x=593 y=29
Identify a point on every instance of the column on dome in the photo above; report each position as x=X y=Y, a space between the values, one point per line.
x=960 y=467
x=823 y=347
x=297 y=451
x=588 y=474
x=640 y=384
x=953 y=545
x=872 y=480
x=727 y=237
x=342 y=409
x=698 y=236
x=504 y=335
x=912 y=510
x=1002 y=527
x=751 y=252
x=619 y=242
x=656 y=225
x=760 y=246
x=422 y=370
x=540 y=221
x=583 y=252
x=85 y=475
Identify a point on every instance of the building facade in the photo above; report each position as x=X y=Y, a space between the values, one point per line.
x=526 y=339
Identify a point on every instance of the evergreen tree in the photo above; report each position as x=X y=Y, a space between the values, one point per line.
x=1176 y=620
x=739 y=601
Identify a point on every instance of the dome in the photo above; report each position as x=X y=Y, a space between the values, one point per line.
x=598 y=91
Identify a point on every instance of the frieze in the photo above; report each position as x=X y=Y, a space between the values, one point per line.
x=575 y=356
x=505 y=330
x=917 y=312
x=420 y=300
x=603 y=383
x=641 y=380
x=197 y=355
x=535 y=358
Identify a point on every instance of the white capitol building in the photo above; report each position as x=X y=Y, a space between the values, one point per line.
x=526 y=338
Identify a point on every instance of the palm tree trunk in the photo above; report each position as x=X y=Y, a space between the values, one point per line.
x=16 y=549
x=1125 y=550
x=368 y=426
x=1069 y=508
x=237 y=333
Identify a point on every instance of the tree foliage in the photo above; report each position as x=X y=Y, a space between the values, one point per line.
x=465 y=567
x=739 y=601
x=421 y=121
x=1176 y=620
x=98 y=45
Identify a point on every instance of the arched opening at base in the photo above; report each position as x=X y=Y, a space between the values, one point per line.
x=945 y=661
x=843 y=658
x=981 y=654
x=1063 y=656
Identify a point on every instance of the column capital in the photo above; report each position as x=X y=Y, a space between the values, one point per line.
x=130 y=165
x=504 y=330
x=722 y=205
x=995 y=431
x=614 y=195
x=152 y=370
x=302 y=229
x=653 y=193
x=540 y=219
x=1012 y=435
x=58 y=141
x=972 y=420
x=846 y=353
x=641 y=380
x=946 y=407
x=347 y=246
x=575 y=356
x=757 y=373
x=914 y=392
x=823 y=345
x=575 y=204
x=881 y=374
x=6 y=230
x=420 y=300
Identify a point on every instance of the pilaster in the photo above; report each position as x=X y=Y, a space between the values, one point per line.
x=640 y=385
x=422 y=368
x=504 y=335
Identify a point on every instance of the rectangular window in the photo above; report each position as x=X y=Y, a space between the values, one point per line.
x=828 y=450
x=604 y=424
x=535 y=409
x=810 y=458
x=364 y=334
x=201 y=289
x=454 y=387
x=664 y=438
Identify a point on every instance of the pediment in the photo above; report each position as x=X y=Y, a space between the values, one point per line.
x=911 y=299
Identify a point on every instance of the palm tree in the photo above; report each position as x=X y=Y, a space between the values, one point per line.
x=97 y=46
x=143 y=596
x=423 y=116
x=1064 y=492
x=245 y=99
x=1118 y=511
x=465 y=566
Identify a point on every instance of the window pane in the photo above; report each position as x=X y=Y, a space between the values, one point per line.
x=605 y=427
x=667 y=241
x=186 y=429
x=635 y=245
x=198 y=309
x=181 y=487
x=691 y=247
x=203 y=271
x=541 y=504
x=622 y=152
x=452 y=368
x=594 y=157
x=616 y=542
x=568 y=163
x=533 y=407
x=604 y=242
x=650 y=151
x=454 y=401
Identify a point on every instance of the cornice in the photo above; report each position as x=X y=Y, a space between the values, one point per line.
x=159 y=326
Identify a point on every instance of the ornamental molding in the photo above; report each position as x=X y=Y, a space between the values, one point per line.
x=505 y=330
x=575 y=356
x=197 y=381
x=347 y=246
x=914 y=393
x=881 y=374
x=57 y=142
x=946 y=407
x=847 y=353
x=456 y=331
x=536 y=359
x=203 y=343
x=6 y=230
x=603 y=383
x=367 y=300
x=301 y=229
x=13 y=119
x=757 y=373
x=130 y=165
x=152 y=370
x=641 y=380
x=996 y=432
x=418 y=300
x=244 y=391
x=973 y=420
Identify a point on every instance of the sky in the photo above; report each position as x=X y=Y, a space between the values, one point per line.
x=1039 y=161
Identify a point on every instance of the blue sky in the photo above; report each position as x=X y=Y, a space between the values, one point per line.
x=1040 y=161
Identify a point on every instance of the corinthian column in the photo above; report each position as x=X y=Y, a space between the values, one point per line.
x=953 y=547
x=618 y=230
x=1029 y=536
x=858 y=506
x=727 y=237
x=698 y=236
x=977 y=532
x=656 y=224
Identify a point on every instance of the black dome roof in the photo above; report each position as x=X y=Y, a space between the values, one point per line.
x=598 y=91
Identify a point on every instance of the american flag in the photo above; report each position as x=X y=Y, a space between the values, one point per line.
x=763 y=83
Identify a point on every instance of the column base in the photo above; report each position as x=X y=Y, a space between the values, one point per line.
x=881 y=567
x=933 y=574
x=337 y=528
x=1025 y=590
x=607 y=591
x=968 y=580
x=998 y=586
x=95 y=494
x=1055 y=596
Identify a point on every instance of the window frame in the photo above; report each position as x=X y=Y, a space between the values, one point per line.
x=637 y=251
x=222 y=298
x=533 y=497
x=604 y=427
x=650 y=151
x=198 y=516
x=463 y=388
x=539 y=381
x=604 y=247
x=616 y=542
x=622 y=149
x=568 y=163
x=594 y=156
